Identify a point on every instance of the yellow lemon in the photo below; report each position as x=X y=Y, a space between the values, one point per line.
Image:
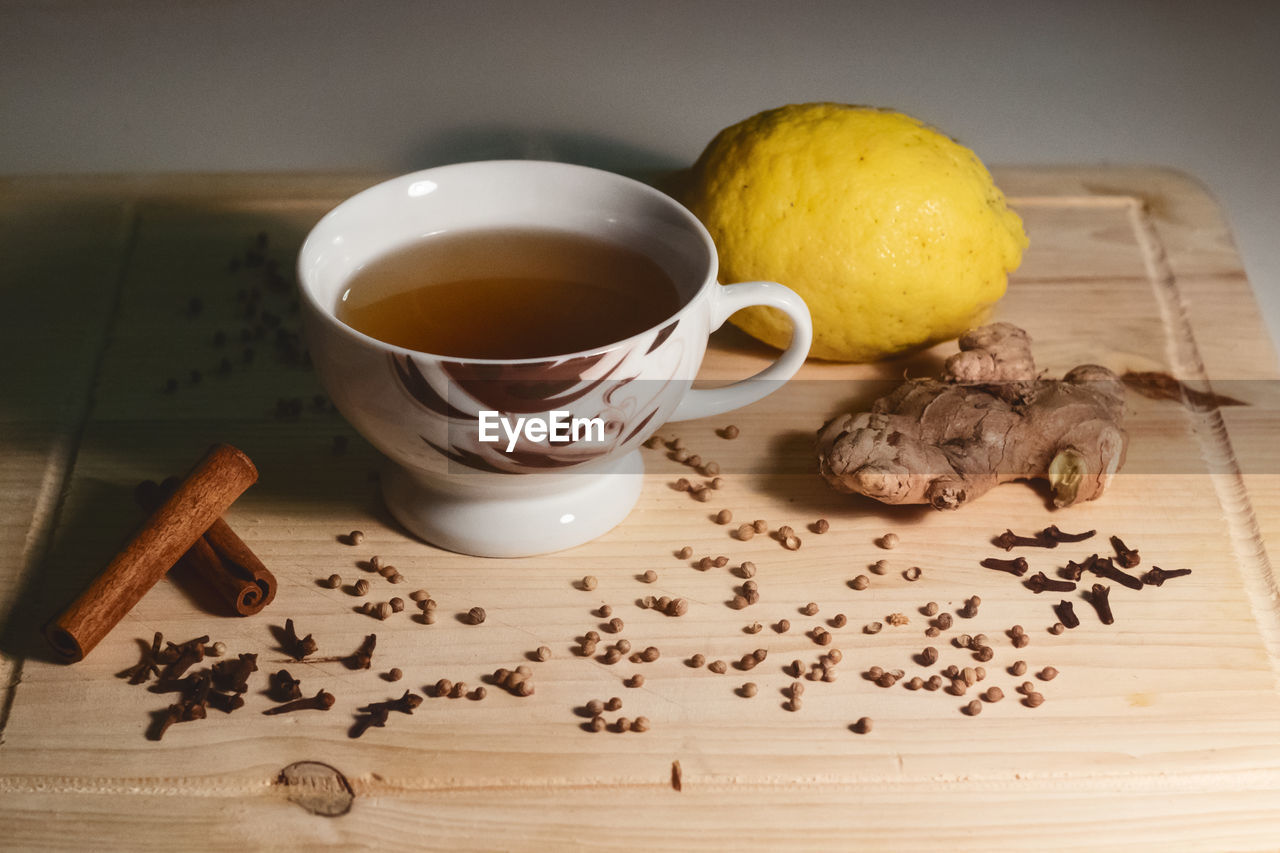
x=895 y=235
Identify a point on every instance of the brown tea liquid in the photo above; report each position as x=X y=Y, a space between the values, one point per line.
x=510 y=293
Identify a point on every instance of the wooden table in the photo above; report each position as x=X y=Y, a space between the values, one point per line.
x=1162 y=730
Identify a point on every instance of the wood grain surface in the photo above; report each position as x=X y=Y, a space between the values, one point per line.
x=1162 y=730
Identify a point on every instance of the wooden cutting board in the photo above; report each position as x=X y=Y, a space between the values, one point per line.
x=1161 y=730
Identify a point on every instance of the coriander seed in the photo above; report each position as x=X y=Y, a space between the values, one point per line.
x=783 y=626
x=684 y=553
x=754 y=628
x=974 y=708
x=719 y=667
x=760 y=525
x=589 y=582
x=476 y=615
x=820 y=526
x=1047 y=674
x=361 y=587
x=650 y=654
x=614 y=704
x=745 y=532
x=355 y=537
x=334 y=581
x=747 y=569
x=711 y=469
x=872 y=628
x=650 y=576
x=636 y=680
x=1033 y=700
x=861 y=582
x=810 y=609
x=724 y=516
x=394 y=674
x=729 y=432
x=993 y=694
x=889 y=541
x=543 y=653
x=397 y=604
x=697 y=661
x=912 y=574
x=613 y=626
x=640 y=724
x=419 y=595
x=218 y=649
x=748 y=690
x=839 y=620
x=604 y=611
x=595 y=707
x=930 y=609
x=862 y=726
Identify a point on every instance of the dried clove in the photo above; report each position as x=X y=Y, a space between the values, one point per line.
x=1073 y=571
x=1052 y=532
x=1010 y=540
x=1067 y=614
x=1100 y=597
x=295 y=647
x=1039 y=583
x=322 y=701
x=1157 y=576
x=362 y=658
x=1105 y=568
x=283 y=687
x=1017 y=566
x=149 y=665
x=233 y=675
x=1125 y=556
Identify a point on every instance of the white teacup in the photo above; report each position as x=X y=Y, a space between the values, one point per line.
x=450 y=484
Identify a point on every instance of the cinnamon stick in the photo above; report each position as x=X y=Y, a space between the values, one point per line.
x=219 y=559
x=216 y=481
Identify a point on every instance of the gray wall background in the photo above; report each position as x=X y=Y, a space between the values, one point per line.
x=225 y=85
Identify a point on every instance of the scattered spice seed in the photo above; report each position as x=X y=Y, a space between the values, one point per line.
x=719 y=667
x=419 y=595
x=930 y=609
x=720 y=562
x=614 y=704
x=820 y=526
x=333 y=581
x=889 y=541
x=872 y=628
x=613 y=626
x=839 y=620
x=993 y=694
x=1019 y=667
x=782 y=626
x=397 y=604
x=703 y=564
x=684 y=553
x=361 y=587
x=604 y=611
x=677 y=607
x=355 y=537
x=791 y=543
x=970 y=608
x=1033 y=700
x=748 y=690
x=897 y=620
x=862 y=726
x=730 y=432
x=395 y=674
x=623 y=646
x=760 y=525
x=476 y=615
x=701 y=493
x=651 y=442
x=217 y=650
x=974 y=708
x=710 y=470
x=738 y=602
x=753 y=628
x=682 y=484
x=1047 y=674
x=810 y=609
x=747 y=569
x=597 y=723
x=650 y=576
x=395 y=577
x=879 y=567
x=724 y=516
x=384 y=610
x=745 y=532
x=697 y=661
x=640 y=724
x=821 y=636
x=636 y=680
x=543 y=653
x=589 y=582
x=861 y=582
x=477 y=694
x=913 y=574
x=928 y=656
x=650 y=654
x=1057 y=628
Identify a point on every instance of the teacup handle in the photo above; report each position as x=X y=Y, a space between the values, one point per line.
x=727 y=299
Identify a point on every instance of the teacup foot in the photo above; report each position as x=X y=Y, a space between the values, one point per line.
x=574 y=509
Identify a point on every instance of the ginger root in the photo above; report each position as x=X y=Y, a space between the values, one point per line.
x=988 y=420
